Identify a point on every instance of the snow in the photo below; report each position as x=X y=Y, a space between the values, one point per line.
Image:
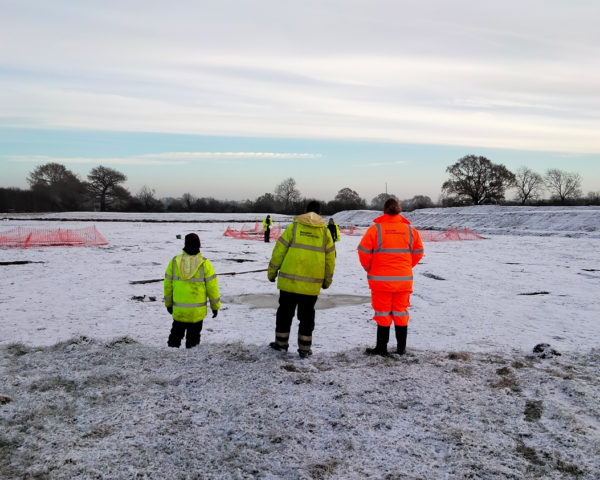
x=91 y=391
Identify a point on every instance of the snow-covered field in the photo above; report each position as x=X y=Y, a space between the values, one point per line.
x=88 y=388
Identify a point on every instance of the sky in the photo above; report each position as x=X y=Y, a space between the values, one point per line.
x=226 y=99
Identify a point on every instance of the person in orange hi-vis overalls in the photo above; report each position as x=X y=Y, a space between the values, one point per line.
x=388 y=252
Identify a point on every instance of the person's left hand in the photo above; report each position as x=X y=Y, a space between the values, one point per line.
x=215 y=313
x=170 y=310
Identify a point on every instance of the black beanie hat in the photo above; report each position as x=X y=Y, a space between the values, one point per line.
x=192 y=244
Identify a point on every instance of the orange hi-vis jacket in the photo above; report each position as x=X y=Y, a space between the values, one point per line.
x=388 y=252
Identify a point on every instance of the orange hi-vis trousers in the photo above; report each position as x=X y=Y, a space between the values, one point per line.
x=390 y=307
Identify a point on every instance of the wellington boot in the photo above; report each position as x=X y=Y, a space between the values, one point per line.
x=377 y=351
x=401 y=339
x=276 y=346
x=383 y=336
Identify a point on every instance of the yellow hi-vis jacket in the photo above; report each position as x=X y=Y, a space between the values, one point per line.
x=267 y=224
x=304 y=255
x=189 y=280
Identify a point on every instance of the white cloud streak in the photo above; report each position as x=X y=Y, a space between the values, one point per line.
x=168 y=158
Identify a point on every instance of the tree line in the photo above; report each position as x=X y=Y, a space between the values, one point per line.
x=473 y=180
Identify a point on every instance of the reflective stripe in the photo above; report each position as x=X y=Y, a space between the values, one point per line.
x=305 y=338
x=307 y=247
x=170 y=277
x=380 y=248
x=389 y=279
x=189 y=305
x=399 y=314
x=289 y=276
x=329 y=250
x=217 y=300
x=329 y=275
x=168 y=299
x=381 y=314
x=283 y=241
x=212 y=277
x=274 y=267
x=193 y=279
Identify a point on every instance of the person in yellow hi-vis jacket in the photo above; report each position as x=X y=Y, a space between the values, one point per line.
x=304 y=256
x=267 y=224
x=190 y=284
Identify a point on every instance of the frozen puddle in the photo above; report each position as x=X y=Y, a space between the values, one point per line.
x=272 y=300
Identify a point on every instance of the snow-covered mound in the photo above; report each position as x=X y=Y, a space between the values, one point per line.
x=495 y=220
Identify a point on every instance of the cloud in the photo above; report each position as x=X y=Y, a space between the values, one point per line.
x=406 y=72
x=159 y=159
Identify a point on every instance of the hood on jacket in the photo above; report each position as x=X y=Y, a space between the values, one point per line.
x=385 y=218
x=310 y=218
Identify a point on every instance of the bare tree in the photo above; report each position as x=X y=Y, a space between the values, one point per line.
x=418 y=201
x=593 y=198
x=378 y=201
x=59 y=185
x=529 y=185
x=188 y=201
x=478 y=180
x=49 y=175
x=287 y=193
x=349 y=199
x=563 y=185
x=265 y=203
x=147 y=199
x=104 y=185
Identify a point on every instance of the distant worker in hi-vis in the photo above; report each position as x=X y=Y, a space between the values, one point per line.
x=267 y=223
x=388 y=252
x=190 y=284
x=334 y=230
x=304 y=258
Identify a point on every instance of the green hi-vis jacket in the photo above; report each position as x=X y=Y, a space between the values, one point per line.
x=189 y=280
x=304 y=256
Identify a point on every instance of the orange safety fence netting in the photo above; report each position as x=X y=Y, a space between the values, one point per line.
x=21 y=237
x=452 y=234
x=253 y=233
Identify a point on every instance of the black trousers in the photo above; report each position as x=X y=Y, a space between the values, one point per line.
x=267 y=235
x=288 y=302
x=178 y=331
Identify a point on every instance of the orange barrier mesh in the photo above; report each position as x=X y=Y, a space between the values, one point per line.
x=37 y=237
x=253 y=233
x=453 y=234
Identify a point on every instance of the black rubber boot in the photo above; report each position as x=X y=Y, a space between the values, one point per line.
x=276 y=346
x=383 y=336
x=401 y=339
